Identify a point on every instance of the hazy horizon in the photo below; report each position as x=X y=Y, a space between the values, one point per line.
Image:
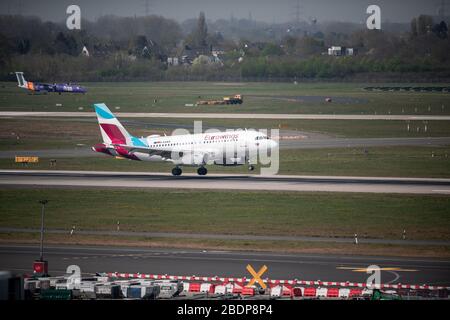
x=259 y=10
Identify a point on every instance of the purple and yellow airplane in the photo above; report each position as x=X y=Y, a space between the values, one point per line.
x=46 y=87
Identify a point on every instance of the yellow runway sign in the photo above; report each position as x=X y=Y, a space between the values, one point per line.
x=27 y=159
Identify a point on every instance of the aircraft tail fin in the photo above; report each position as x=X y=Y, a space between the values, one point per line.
x=21 y=80
x=112 y=130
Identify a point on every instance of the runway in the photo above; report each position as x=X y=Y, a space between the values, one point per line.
x=224 y=182
x=326 y=267
x=279 y=116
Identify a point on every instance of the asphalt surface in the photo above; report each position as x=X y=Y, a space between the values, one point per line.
x=229 y=116
x=224 y=181
x=19 y=258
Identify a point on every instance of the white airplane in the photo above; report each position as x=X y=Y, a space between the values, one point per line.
x=196 y=150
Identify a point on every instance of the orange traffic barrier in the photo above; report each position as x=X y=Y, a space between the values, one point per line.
x=194 y=287
x=246 y=291
x=355 y=293
x=310 y=292
x=333 y=293
x=237 y=289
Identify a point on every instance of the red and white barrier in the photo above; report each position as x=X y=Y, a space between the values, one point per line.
x=271 y=282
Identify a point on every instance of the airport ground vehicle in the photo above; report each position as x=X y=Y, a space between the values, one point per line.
x=236 y=99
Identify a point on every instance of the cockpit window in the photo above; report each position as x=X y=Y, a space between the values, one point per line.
x=262 y=138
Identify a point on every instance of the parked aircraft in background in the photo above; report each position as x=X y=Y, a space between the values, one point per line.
x=46 y=87
x=196 y=150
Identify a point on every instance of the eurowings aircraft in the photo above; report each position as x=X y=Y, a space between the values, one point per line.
x=197 y=150
x=46 y=87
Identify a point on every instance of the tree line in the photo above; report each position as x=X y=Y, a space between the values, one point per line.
x=137 y=48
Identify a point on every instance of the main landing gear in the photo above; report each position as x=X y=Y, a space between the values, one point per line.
x=202 y=171
x=177 y=171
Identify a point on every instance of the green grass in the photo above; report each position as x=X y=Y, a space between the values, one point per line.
x=258 y=98
x=53 y=133
x=242 y=245
x=338 y=128
x=228 y=212
x=380 y=161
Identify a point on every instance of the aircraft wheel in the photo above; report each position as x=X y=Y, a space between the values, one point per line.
x=177 y=171
x=251 y=168
x=202 y=171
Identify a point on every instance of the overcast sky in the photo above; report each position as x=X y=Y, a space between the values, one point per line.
x=261 y=10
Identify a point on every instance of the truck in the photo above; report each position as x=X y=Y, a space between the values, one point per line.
x=236 y=99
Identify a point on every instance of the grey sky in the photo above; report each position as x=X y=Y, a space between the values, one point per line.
x=261 y=10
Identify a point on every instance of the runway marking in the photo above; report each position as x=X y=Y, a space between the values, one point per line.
x=397 y=276
x=358 y=269
x=134 y=256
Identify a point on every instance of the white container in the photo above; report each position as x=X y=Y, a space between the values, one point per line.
x=321 y=292
x=220 y=290
x=185 y=286
x=124 y=289
x=204 y=287
x=61 y=286
x=104 y=289
x=146 y=283
x=344 y=293
x=55 y=280
x=367 y=292
x=229 y=287
x=276 y=291
x=102 y=279
x=87 y=287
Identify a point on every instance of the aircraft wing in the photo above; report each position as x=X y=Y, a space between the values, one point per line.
x=165 y=153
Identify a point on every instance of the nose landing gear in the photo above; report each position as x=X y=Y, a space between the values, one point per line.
x=202 y=171
x=251 y=167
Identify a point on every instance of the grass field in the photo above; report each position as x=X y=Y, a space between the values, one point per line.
x=228 y=212
x=212 y=244
x=258 y=98
x=65 y=133
x=380 y=161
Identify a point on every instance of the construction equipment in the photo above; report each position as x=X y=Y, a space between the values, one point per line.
x=236 y=99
